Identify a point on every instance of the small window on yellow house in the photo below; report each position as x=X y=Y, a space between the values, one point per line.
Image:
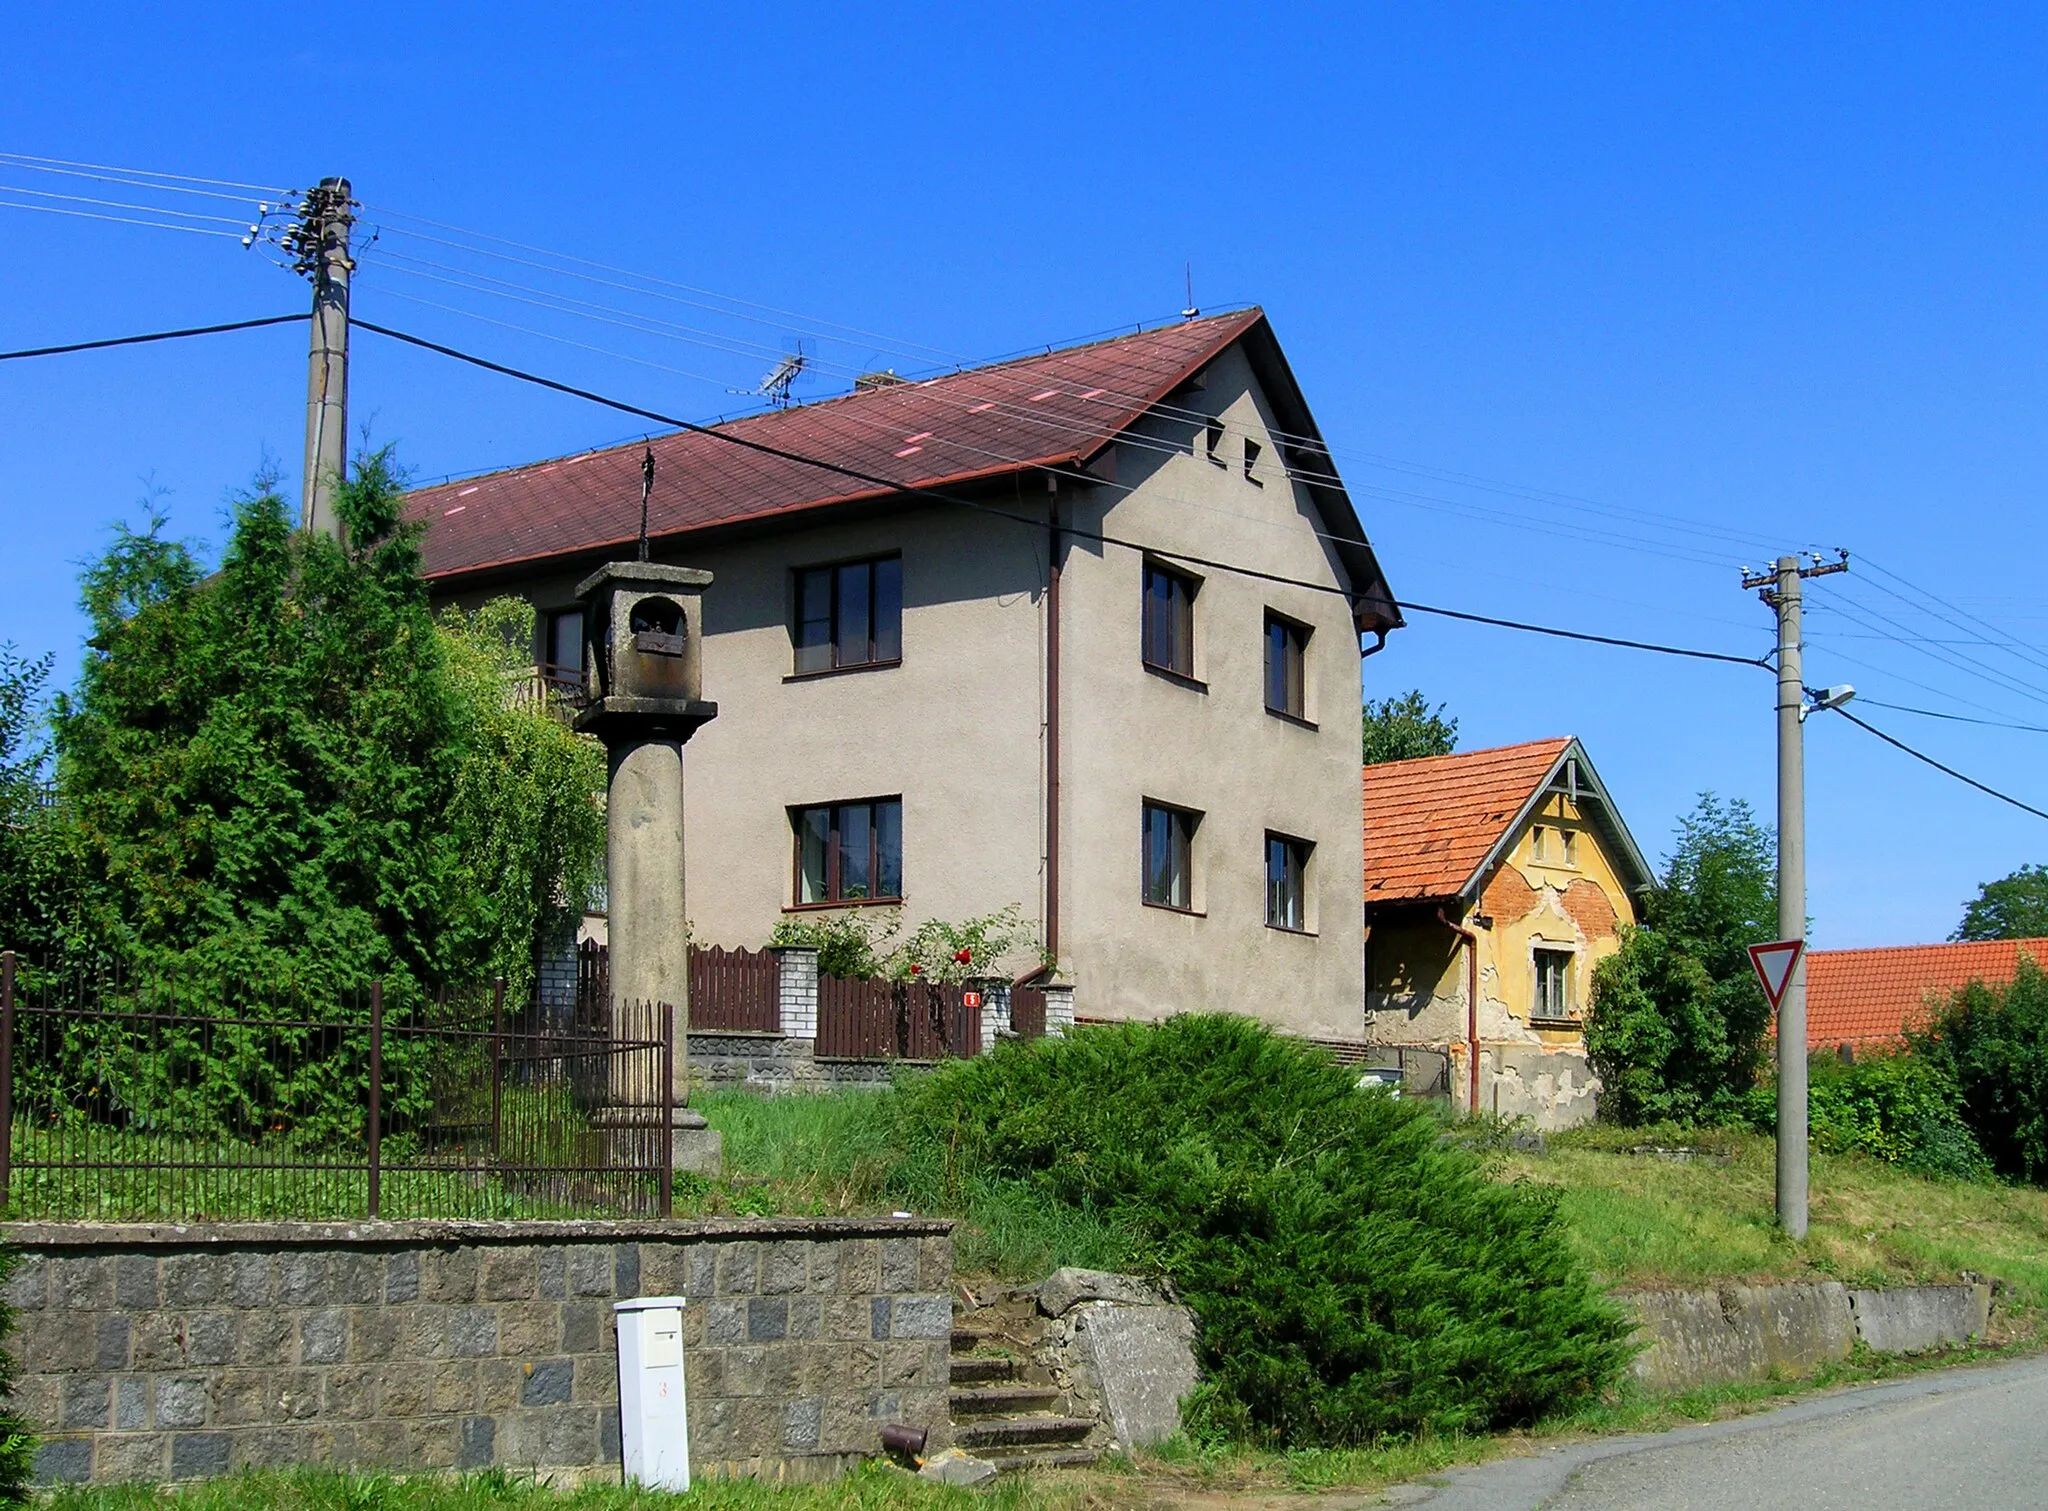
x=1571 y=846
x=1553 y=985
x=1537 y=847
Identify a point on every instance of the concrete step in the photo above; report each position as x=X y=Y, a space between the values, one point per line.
x=1023 y=1432
x=1019 y=1460
x=967 y=1339
x=1010 y=1400
x=983 y=1370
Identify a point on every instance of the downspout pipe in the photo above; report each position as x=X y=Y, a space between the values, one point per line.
x=1054 y=542
x=1471 y=1006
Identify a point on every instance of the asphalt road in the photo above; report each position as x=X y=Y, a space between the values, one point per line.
x=1975 y=1439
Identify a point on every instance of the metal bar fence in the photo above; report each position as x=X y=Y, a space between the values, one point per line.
x=447 y=1108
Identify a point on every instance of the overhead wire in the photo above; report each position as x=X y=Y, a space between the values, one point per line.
x=221 y=183
x=126 y=220
x=194 y=330
x=1873 y=619
x=1633 y=517
x=1931 y=713
x=970 y=400
x=119 y=204
x=1920 y=755
x=895 y=487
x=122 y=176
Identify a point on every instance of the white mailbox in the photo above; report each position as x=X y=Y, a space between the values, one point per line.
x=654 y=1427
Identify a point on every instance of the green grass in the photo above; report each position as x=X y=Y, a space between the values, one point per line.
x=1643 y=1221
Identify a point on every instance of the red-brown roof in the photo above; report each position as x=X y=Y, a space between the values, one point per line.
x=1870 y=996
x=1429 y=823
x=1055 y=409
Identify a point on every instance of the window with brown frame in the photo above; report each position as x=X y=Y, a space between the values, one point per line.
x=1286 y=659
x=1168 y=851
x=1287 y=882
x=1169 y=628
x=849 y=615
x=1553 y=971
x=849 y=852
x=562 y=654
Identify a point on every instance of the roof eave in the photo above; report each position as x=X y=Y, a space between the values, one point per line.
x=1627 y=855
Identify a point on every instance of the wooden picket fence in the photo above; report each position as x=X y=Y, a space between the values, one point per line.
x=731 y=991
x=879 y=1019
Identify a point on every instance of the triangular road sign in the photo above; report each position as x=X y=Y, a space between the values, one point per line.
x=1773 y=964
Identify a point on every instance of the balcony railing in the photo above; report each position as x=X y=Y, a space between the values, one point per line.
x=554 y=689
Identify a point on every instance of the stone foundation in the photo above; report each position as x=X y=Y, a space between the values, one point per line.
x=175 y=1353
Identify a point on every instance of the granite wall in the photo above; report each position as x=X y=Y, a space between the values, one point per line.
x=175 y=1353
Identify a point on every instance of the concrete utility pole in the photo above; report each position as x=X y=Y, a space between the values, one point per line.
x=1780 y=589
x=320 y=241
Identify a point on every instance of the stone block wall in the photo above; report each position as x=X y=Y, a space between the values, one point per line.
x=178 y=1353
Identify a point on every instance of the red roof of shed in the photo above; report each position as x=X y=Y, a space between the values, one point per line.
x=1055 y=409
x=1869 y=996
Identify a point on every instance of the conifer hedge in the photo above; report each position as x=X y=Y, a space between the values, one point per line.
x=1353 y=1275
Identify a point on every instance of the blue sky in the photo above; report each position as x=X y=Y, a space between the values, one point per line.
x=1596 y=305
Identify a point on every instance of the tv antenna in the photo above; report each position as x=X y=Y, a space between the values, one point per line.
x=775 y=387
x=1190 y=313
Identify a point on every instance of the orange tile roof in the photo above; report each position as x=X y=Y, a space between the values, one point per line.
x=1430 y=822
x=1868 y=996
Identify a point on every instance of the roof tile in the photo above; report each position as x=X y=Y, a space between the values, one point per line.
x=1430 y=822
x=1870 y=996
x=943 y=431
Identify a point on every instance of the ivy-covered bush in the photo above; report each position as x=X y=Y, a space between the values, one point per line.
x=857 y=945
x=1992 y=1042
x=1901 y=1108
x=17 y=1437
x=1352 y=1277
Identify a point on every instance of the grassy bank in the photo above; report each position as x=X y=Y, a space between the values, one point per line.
x=1645 y=1221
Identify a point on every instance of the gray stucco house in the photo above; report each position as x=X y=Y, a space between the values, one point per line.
x=1111 y=675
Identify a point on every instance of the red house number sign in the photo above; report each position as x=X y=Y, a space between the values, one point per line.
x=970 y=999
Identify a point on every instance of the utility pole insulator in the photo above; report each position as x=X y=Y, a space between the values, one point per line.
x=320 y=243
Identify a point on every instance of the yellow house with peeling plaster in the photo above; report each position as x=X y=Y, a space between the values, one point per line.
x=1494 y=881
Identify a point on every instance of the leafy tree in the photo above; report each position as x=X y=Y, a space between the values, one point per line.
x=1351 y=1276
x=285 y=779
x=1678 y=1025
x=2013 y=907
x=1403 y=728
x=1992 y=1042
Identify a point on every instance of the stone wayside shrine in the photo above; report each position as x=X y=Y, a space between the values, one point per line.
x=643 y=664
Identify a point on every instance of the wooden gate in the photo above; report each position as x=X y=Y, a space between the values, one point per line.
x=877 y=1019
x=1027 y=1011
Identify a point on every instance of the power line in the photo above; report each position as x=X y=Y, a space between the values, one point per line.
x=1969 y=781
x=1544 y=629
x=119 y=204
x=126 y=220
x=611 y=315
x=1309 y=441
x=218 y=183
x=1931 y=713
x=196 y=330
x=895 y=487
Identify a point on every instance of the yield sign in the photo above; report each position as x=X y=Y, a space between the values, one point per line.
x=1773 y=964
